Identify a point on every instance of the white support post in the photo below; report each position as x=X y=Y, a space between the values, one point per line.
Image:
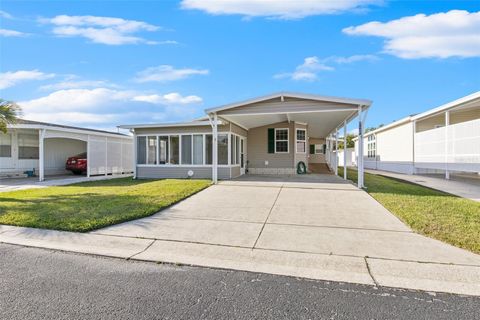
x=106 y=156
x=447 y=124
x=215 y=149
x=360 y=149
x=345 y=150
x=336 y=152
x=88 y=156
x=135 y=155
x=41 y=155
x=414 y=128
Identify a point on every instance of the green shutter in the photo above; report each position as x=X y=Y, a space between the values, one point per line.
x=312 y=149
x=271 y=140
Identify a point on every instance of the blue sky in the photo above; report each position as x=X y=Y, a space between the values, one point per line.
x=104 y=63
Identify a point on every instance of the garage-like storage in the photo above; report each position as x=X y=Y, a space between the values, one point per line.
x=42 y=149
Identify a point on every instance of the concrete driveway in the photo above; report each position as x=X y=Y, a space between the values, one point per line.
x=316 y=226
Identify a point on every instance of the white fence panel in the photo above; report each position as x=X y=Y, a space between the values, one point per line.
x=127 y=155
x=114 y=155
x=462 y=153
x=97 y=155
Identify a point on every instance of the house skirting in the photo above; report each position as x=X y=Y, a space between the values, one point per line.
x=272 y=171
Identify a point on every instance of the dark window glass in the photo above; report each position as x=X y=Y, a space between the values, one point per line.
x=141 y=150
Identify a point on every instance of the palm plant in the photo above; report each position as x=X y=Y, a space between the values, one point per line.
x=9 y=113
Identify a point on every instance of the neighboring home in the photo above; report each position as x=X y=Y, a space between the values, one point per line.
x=265 y=135
x=45 y=147
x=442 y=140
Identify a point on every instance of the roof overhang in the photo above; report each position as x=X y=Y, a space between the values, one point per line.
x=464 y=103
x=199 y=123
x=322 y=114
x=66 y=129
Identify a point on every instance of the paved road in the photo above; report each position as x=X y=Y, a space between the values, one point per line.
x=44 y=284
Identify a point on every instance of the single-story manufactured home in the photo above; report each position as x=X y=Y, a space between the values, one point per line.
x=441 y=140
x=44 y=148
x=267 y=135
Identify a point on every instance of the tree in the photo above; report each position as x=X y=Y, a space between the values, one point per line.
x=9 y=113
x=350 y=142
x=373 y=128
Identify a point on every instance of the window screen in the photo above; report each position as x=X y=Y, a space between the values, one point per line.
x=198 y=149
x=222 y=149
x=5 y=145
x=27 y=146
x=186 y=149
x=237 y=149
x=174 y=150
x=141 y=150
x=163 y=150
x=152 y=150
x=232 y=150
x=208 y=148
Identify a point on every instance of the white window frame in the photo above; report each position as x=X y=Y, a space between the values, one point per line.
x=304 y=141
x=321 y=148
x=288 y=139
x=174 y=134
x=372 y=146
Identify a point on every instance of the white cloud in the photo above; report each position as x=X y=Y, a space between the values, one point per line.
x=442 y=35
x=307 y=71
x=284 y=9
x=10 y=79
x=312 y=66
x=104 y=30
x=77 y=84
x=351 y=59
x=11 y=33
x=5 y=15
x=77 y=99
x=170 y=98
x=105 y=107
x=166 y=73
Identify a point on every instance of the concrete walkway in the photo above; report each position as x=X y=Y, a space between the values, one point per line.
x=314 y=226
x=463 y=187
x=13 y=184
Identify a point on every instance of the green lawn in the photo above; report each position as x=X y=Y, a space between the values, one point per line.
x=91 y=205
x=433 y=213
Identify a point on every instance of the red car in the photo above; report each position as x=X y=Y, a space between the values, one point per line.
x=77 y=164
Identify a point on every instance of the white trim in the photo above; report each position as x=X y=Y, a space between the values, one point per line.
x=186 y=165
x=275 y=140
x=449 y=105
x=304 y=141
x=168 y=125
x=315 y=148
x=281 y=95
x=226 y=116
x=71 y=130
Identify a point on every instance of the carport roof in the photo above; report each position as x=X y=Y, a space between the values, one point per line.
x=322 y=114
x=285 y=94
x=30 y=124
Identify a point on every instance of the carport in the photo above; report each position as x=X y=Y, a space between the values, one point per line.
x=319 y=116
x=45 y=147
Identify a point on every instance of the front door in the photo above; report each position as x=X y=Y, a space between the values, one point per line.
x=243 y=155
